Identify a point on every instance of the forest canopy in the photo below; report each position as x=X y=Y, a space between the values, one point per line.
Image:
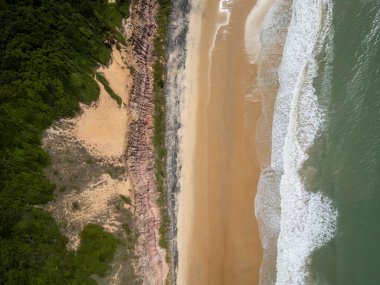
x=49 y=51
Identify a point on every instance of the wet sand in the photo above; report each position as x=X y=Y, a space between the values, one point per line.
x=224 y=245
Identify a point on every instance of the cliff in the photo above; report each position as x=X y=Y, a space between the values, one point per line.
x=140 y=154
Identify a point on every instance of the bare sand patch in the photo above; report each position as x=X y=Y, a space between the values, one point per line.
x=96 y=204
x=102 y=127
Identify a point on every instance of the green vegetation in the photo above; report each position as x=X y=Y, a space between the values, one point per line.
x=96 y=250
x=115 y=172
x=75 y=206
x=131 y=70
x=49 y=50
x=131 y=232
x=108 y=88
x=126 y=200
x=159 y=118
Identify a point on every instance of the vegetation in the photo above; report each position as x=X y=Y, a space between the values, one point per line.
x=127 y=200
x=96 y=250
x=131 y=232
x=108 y=88
x=159 y=118
x=75 y=206
x=49 y=50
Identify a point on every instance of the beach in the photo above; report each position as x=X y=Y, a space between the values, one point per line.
x=218 y=238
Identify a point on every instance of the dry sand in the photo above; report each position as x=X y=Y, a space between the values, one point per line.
x=102 y=127
x=218 y=239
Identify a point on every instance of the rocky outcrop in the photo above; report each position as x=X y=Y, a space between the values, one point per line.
x=140 y=155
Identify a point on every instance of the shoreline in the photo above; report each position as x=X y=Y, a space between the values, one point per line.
x=268 y=195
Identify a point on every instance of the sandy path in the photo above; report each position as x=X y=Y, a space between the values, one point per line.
x=223 y=246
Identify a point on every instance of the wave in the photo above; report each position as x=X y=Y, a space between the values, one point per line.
x=267 y=204
x=293 y=221
x=308 y=220
x=273 y=35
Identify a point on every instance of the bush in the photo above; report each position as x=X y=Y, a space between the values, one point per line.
x=96 y=250
x=108 y=88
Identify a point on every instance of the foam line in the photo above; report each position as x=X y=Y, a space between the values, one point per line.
x=308 y=220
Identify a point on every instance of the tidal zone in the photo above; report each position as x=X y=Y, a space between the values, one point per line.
x=316 y=82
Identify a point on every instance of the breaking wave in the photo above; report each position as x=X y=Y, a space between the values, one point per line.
x=293 y=221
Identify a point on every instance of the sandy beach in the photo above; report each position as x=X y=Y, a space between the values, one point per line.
x=218 y=239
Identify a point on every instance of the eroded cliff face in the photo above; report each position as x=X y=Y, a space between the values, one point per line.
x=140 y=155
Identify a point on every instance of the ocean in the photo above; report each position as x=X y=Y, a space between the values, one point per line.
x=318 y=202
x=347 y=153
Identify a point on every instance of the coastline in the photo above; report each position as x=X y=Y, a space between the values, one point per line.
x=273 y=35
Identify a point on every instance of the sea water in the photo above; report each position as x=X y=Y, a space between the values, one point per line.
x=320 y=194
x=346 y=156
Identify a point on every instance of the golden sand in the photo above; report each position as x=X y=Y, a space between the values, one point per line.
x=102 y=127
x=218 y=239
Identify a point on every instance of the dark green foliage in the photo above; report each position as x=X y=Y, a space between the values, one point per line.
x=96 y=250
x=75 y=206
x=108 y=88
x=49 y=50
x=37 y=254
x=127 y=229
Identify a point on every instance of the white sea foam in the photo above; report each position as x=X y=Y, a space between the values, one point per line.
x=308 y=220
x=267 y=204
